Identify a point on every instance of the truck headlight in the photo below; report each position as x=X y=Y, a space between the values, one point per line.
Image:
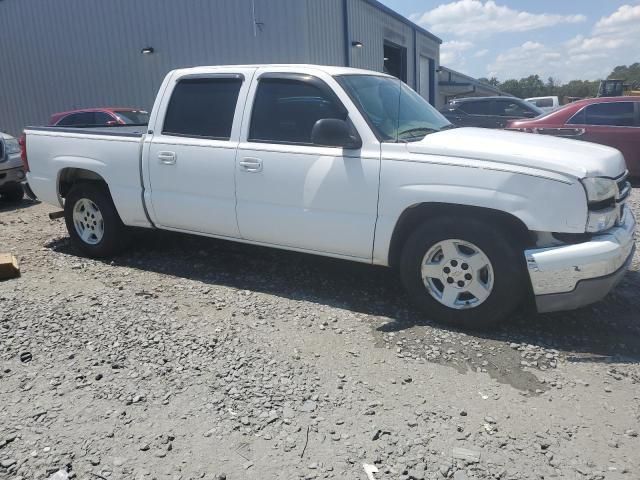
x=601 y=220
x=600 y=189
x=12 y=146
x=601 y=197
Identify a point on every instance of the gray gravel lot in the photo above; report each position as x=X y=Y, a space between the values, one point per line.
x=192 y=358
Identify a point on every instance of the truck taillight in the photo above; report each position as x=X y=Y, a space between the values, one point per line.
x=23 y=152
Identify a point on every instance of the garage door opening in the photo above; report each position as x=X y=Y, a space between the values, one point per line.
x=395 y=60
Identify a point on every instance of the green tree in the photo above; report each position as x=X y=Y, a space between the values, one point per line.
x=493 y=81
x=511 y=86
x=579 y=88
x=532 y=86
x=630 y=74
x=551 y=84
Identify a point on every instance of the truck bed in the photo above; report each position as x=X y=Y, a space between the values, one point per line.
x=113 y=153
x=115 y=130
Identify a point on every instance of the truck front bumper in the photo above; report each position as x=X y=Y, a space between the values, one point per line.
x=572 y=276
x=11 y=176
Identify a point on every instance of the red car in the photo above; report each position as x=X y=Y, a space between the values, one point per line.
x=100 y=116
x=612 y=121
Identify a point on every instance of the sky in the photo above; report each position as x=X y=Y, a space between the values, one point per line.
x=563 y=39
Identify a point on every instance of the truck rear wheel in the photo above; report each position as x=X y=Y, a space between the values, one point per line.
x=93 y=222
x=463 y=272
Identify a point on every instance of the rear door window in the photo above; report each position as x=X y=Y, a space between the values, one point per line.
x=285 y=110
x=543 y=102
x=203 y=107
x=578 y=118
x=102 y=118
x=615 y=114
x=475 y=107
x=133 y=117
x=509 y=108
x=78 y=119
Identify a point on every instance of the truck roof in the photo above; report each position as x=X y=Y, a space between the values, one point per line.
x=331 y=70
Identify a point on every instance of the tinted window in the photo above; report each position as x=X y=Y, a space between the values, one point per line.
x=618 y=114
x=102 y=118
x=285 y=111
x=77 y=119
x=508 y=108
x=543 y=102
x=202 y=107
x=475 y=108
x=135 y=117
x=578 y=118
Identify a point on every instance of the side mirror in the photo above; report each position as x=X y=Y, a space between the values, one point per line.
x=333 y=132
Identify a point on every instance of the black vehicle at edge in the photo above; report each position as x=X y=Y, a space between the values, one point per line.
x=488 y=112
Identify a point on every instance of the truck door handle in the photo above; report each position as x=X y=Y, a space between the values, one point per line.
x=251 y=164
x=167 y=158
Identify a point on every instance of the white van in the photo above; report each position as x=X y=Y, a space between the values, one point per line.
x=545 y=103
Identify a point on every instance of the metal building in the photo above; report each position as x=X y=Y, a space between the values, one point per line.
x=67 y=54
x=452 y=84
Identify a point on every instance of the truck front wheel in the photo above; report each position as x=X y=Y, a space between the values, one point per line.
x=93 y=222
x=463 y=272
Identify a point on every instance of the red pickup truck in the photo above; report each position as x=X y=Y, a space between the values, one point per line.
x=612 y=121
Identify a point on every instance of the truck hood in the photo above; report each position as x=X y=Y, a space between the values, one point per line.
x=568 y=157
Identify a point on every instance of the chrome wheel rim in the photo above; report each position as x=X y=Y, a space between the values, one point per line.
x=457 y=274
x=88 y=221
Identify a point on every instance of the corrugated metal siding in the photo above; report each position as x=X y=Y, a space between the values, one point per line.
x=71 y=54
x=372 y=27
x=66 y=54
x=325 y=26
x=366 y=26
x=429 y=48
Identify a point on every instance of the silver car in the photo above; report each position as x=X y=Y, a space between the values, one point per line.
x=11 y=169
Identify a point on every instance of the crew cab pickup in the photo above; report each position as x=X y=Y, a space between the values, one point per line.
x=351 y=164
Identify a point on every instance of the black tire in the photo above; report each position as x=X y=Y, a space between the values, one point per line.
x=115 y=237
x=507 y=262
x=12 y=193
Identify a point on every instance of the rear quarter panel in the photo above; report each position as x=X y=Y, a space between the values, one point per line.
x=115 y=158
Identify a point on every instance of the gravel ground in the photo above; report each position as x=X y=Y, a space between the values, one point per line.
x=192 y=358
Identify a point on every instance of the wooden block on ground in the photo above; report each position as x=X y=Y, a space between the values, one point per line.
x=8 y=266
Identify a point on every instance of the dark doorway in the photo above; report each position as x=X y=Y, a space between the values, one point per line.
x=395 y=60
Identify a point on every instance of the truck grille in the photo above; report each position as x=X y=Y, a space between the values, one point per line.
x=624 y=189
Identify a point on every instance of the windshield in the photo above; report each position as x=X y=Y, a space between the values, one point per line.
x=394 y=111
x=133 y=117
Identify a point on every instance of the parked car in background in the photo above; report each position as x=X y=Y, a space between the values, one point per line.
x=488 y=112
x=100 y=117
x=546 y=104
x=11 y=169
x=612 y=121
x=351 y=164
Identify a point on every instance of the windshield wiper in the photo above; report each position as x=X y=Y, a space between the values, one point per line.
x=423 y=132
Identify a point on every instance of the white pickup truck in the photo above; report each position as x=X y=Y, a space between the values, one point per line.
x=351 y=164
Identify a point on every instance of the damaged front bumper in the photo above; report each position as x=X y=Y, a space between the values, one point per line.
x=571 y=276
x=11 y=176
